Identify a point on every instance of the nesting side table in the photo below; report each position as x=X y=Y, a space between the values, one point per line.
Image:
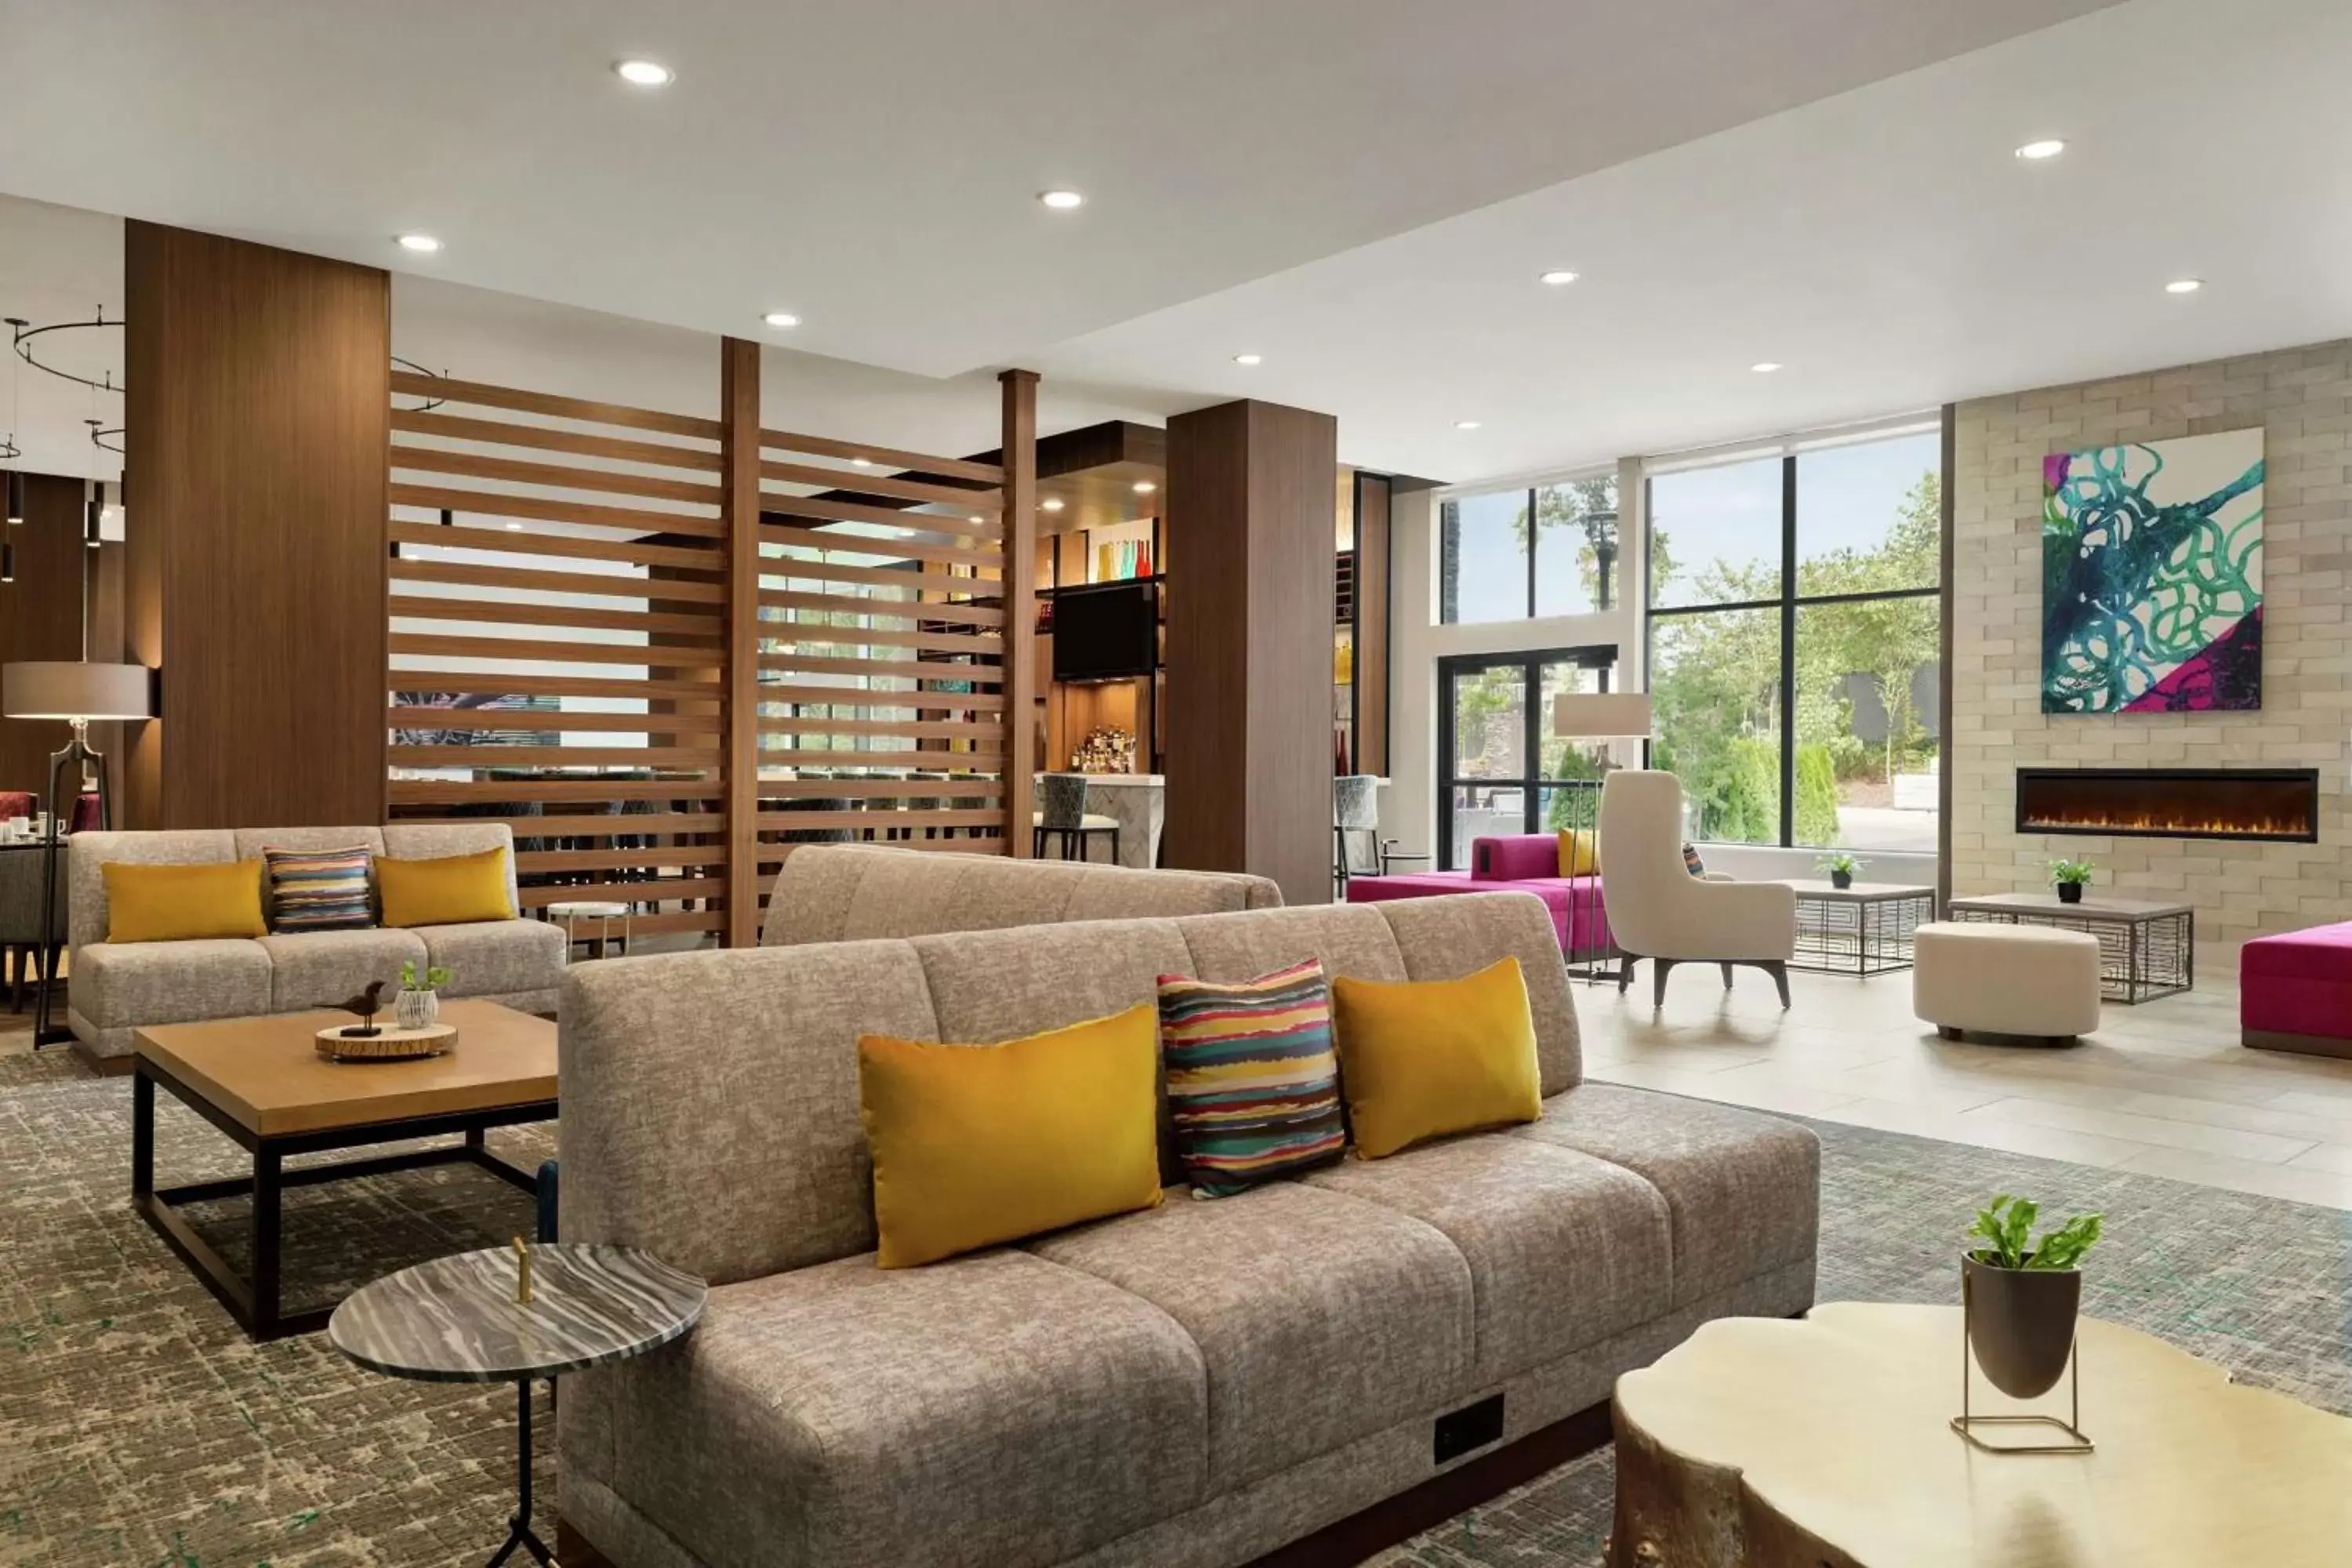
x=459 y=1319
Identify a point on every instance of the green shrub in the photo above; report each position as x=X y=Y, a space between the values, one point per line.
x=1817 y=818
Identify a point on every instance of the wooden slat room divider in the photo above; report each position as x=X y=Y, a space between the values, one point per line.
x=666 y=649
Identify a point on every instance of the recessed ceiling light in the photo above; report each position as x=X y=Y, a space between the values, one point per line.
x=2048 y=147
x=1765 y=366
x=1144 y=487
x=2184 y=286
x=781 y=319
x=1051 y=503
x=1465 y=423
x=645 y=73
x=1062 y=201
x=1557 y=277
x=419 y=242
x=1249 y=359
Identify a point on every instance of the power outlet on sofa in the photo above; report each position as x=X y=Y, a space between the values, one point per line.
x=1472 y=1426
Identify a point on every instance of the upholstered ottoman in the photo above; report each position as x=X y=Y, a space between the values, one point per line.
x=2295 y=991
x=2005 y=980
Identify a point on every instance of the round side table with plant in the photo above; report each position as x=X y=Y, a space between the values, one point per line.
x=2069 y=878
x=1840 y=868
x=2019 y=1299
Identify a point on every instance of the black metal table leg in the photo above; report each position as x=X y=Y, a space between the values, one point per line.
x=519 y=1529
x=268 y=1168
x=143 y=1133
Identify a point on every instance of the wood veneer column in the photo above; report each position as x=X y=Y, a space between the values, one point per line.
x=1020 y=547
x=40 y=615
x=259 y=425
x=1372 y=497
x=738 y=417
x=1249 y=644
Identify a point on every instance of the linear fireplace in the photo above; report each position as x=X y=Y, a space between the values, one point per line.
x=2171 y=803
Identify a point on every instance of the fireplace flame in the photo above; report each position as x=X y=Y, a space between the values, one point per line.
x=2247 y=824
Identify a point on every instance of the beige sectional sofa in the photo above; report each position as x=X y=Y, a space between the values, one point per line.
x=848 y=892
x=116 y=989
x=1190 y=1386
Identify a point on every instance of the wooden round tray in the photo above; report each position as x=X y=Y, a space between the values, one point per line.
x=388 y=1044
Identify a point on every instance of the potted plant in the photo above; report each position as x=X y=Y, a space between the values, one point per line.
x=2023 y=1294
x=2070 y=877
x=419 y=1002
x=1840 y=868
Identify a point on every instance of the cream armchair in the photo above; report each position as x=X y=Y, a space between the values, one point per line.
x=1658 y=911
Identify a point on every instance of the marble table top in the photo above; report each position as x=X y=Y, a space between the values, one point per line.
x=455 y=1319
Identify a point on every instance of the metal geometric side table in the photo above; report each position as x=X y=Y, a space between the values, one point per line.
x=1862 y=929
x=460 y=1320
x=2145 y=950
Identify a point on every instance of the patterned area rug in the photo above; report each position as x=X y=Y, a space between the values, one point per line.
x=138 y=1426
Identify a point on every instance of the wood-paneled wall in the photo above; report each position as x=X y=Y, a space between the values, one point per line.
x=41 y=614
x=685 y=645
x=257 y=408
x=1250 y=489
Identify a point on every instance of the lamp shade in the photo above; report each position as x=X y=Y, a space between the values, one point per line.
x=1601 y=716
x=57 y=689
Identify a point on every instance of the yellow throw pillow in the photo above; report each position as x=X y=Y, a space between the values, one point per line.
x=977 y=1144
x=182 y=903
x=1580 y=852
x=1419 y=1059
x=452 y=889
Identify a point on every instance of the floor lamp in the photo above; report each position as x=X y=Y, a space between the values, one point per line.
x=78 y=693
x=1597 y=716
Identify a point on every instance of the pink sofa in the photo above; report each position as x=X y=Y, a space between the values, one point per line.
x=2295 y=991
x=1520 y=863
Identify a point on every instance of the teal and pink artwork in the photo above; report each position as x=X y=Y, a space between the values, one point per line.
x=2152 y=576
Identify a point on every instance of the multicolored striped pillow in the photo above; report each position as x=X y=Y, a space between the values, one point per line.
x=319 y=889
x=1253 y=1084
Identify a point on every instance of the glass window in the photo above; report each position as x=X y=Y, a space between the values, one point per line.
x=1867 y=724
x=1715 y=686
x=1483 y=558
x=1482 y=811
x=1576 y=546
x=1868 y=516
x=1490 y=722
x=1715 y=535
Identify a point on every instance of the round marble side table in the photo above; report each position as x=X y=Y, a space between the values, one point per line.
x=460 y=1320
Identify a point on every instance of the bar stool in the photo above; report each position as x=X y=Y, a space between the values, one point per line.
x=1063 y=814
x=1358 y=850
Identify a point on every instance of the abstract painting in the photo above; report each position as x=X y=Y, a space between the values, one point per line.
x=2152 y=576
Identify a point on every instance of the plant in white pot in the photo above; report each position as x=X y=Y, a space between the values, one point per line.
x=419 y=1002
x=2023 y=1292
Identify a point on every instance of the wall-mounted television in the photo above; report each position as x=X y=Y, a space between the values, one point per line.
x=1106 y=631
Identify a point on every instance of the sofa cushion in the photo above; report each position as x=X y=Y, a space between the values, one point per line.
x=1252 y=1083
x=320 y=968
x=1743 y=1189
x=994 y=1411
x=2319 y=953
x=974 y=1145
x=1420 y=1059
x=494 y=958
x=121 y=986
x=1564 y=1250
x=1318 y=1318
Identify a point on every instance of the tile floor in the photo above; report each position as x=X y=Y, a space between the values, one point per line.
x=2163 y=1088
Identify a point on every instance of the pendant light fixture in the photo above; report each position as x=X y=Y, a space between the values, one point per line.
x=7 y=563
x=91 y=535
x=15 y=498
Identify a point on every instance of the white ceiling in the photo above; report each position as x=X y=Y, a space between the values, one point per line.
x=1360 y=190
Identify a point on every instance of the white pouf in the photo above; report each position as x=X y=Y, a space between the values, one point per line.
x=2005 y=979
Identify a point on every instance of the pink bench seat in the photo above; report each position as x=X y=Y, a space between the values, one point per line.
x=2295 y=991
x=1520 y=863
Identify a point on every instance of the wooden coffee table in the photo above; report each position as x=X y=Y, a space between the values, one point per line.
x=262 y=1081
x=1762 y=1443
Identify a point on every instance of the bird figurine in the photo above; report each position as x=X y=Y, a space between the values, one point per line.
x=362 y=1006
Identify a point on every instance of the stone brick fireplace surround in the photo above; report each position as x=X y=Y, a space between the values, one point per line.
x=2303 y=398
